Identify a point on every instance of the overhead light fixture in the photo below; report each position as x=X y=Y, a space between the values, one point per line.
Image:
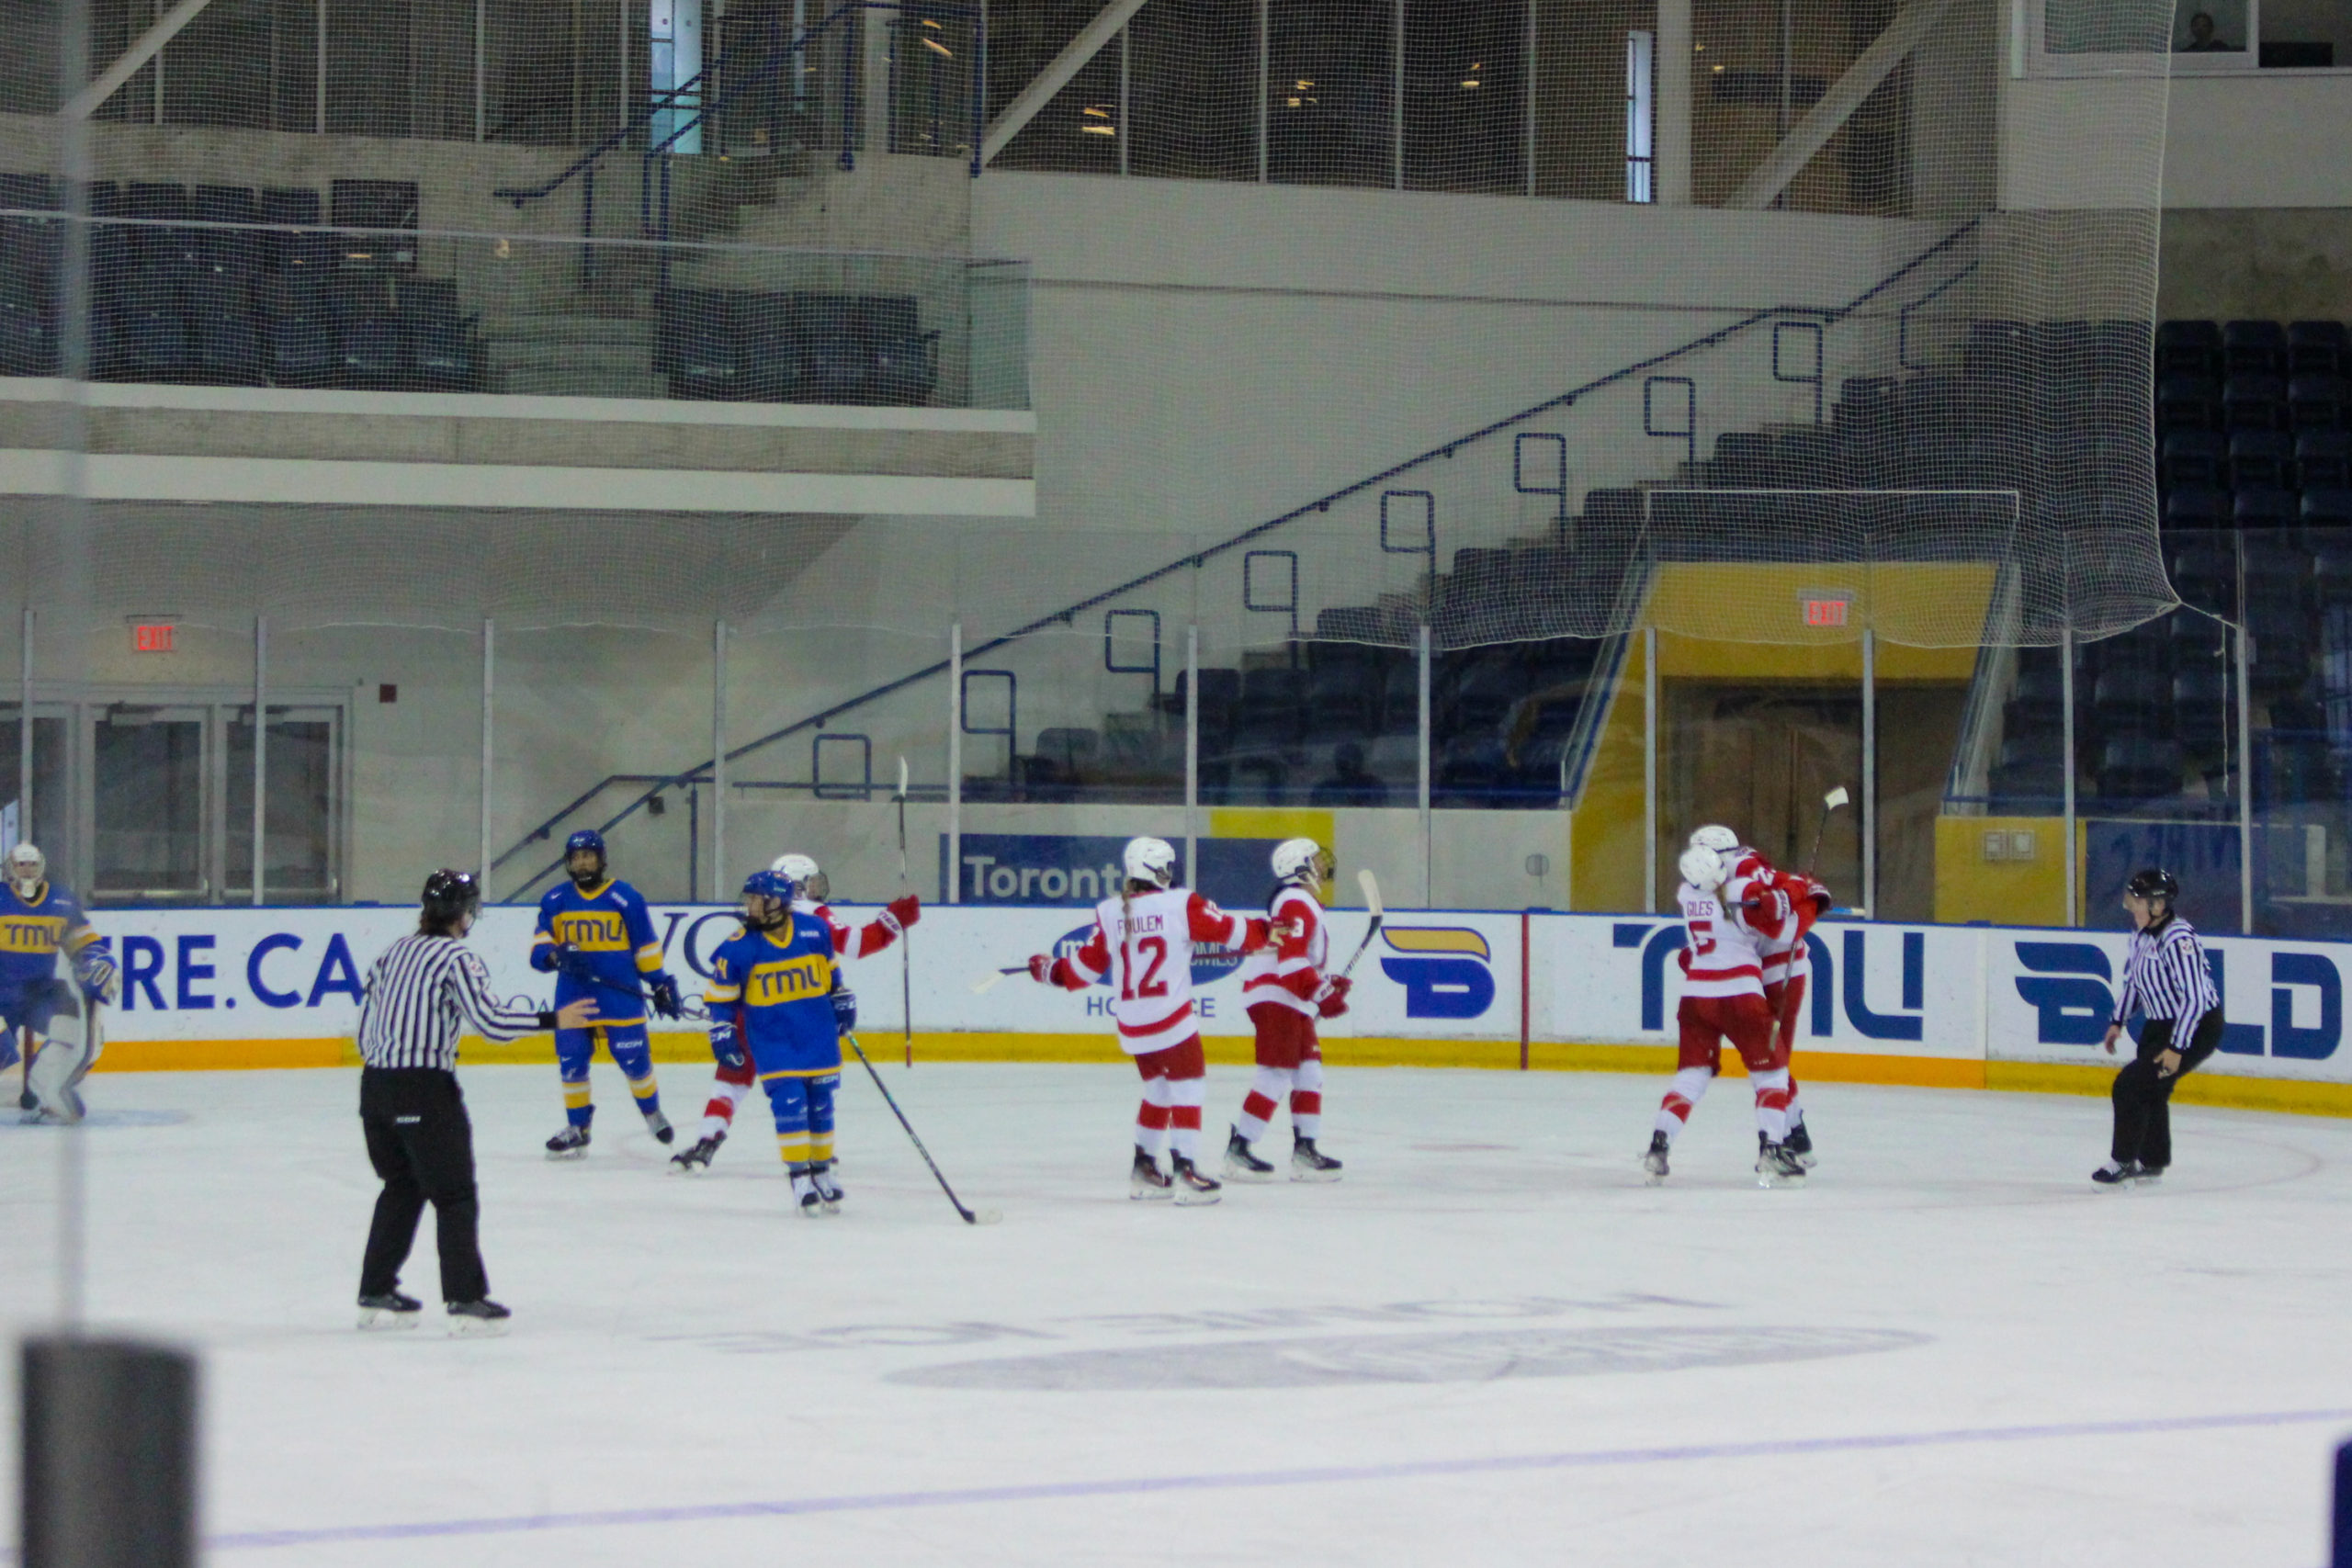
x=1470 y=82
x=1099 y=130
x=1304 y=85
x=1099 y=113
x=929 y=23
x=938 y=48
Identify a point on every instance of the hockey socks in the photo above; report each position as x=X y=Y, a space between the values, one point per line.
x=1302 y=1085
x=1771 y=1104
x=578 y=1110
x=1688 y=1087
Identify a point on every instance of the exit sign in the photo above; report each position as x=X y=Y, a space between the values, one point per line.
x=1825 y=609
x=151 y=637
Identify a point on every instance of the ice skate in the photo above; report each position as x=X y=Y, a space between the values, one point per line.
x=1775 y=1167
x=2115 y=1173
x=1240 y=1165
x=1147 y=1180
x=391 y=1310
x=1654 y=1162
x=805 y=1195
x=478 y=1319
x=2146 y=1175
x=659 y=1125
x=1308 y=1163
x=1193 y=1188
x=569 y=1143
x=696 y=1159
x=1800 y=1143
x=828 y=1191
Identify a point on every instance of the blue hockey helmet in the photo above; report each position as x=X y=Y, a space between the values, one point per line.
x=586 y=839
x=764 y=884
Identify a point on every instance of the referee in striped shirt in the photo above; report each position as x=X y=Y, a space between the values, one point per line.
x=422 y=994
x=2167 y=982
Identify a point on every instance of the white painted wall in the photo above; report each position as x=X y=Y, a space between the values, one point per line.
x=2261 y=139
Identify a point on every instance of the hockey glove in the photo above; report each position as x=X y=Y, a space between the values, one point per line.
x=1331 y=1000
x=547 y=957
x=97 y=976
x=566 y=959
x=1040 y=968
x=725 y=1044
x=900 y=913
x=666 y=1000
x=1256 y=933
x=844 y=1002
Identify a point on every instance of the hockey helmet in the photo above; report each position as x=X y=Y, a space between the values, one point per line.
x=2154 y=883
x=593 y=841
x=28 y=869
x=1301 y=859
x=1702 y=868
x=1152 y=861
x=774 y=886
x=806 y=876
x=1717 y=837
x=450 y=896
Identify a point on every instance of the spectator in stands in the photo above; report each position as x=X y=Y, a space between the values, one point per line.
x=2201 y=40
x=1351 y=782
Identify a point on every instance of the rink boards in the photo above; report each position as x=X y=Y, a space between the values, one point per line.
x=1957 y=1006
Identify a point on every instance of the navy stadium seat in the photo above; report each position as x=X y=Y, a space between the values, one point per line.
x=2329 y=508
x=2262 y=459
x=2254 y=349
x=2318 y=349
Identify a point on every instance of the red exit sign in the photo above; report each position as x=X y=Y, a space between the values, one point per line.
x=1828 y=611
x=151 y=637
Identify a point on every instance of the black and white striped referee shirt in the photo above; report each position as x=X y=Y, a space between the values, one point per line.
x=2165 y=977
x=421 y=996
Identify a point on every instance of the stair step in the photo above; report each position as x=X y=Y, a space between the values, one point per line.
x=576 y=382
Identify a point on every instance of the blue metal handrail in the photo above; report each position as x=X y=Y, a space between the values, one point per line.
x=1828 y=314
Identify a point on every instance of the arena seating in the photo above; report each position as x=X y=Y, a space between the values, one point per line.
x=2252 y=480
x=229 y=285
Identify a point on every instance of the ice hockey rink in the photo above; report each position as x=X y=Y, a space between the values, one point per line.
x=1490 y=1344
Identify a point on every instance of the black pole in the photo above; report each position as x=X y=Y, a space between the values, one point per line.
x=106 y=1471
x=2342 y=1557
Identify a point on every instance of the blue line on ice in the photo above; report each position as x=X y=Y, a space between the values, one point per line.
x=877 y=1502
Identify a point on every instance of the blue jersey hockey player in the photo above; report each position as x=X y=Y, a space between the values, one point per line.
x=596 y=938
x=777 y=998
x=38 y=921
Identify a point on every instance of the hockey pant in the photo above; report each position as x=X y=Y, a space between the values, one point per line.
x=1705 y=1022
x=631 y=1051
x=1289 y=1064
x=1175 y=1085
x=2144 y=1100
x=1786 y=999
x=804 y=1116
x=421 y=1144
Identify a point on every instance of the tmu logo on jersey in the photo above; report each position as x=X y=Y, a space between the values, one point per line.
x=1445 y=970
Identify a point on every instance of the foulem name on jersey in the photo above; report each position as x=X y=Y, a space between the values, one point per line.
x=1144 y=946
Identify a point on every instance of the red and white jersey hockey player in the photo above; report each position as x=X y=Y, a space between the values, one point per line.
x=1722 y=996
x=736 y=1080
x=1286 y=987
x=1142 y=944
x=1788 y=958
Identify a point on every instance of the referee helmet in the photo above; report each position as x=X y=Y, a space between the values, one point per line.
x=2154 y=883
x=450 y=896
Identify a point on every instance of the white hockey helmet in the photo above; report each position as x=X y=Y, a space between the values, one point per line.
x=1717 y=837
x=1301 y=859
x=806 y=875
x=1702 y=868
x=28 y=869
x=1152 y=861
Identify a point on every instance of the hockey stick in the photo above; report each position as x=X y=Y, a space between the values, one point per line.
x=906 y=958
x=1371 y=885
x=1829 y=803
x=688 y=1013
x=991 y=982
x=971 y=1216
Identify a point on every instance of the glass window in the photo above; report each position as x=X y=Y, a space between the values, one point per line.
x=2127 y=27
x=149 y=804
x=1641 y=115
x=1331 y=85
x=2210 y=27
x=1466 y=96
x=1192 y=89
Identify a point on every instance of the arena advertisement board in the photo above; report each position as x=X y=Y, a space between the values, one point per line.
x=1949 y=993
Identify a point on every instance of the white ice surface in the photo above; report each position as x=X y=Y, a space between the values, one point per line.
x=684 y=1348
